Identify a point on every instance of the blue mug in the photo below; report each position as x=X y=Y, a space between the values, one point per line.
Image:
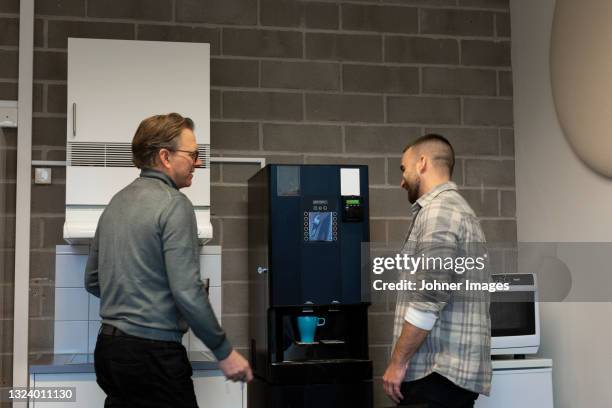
x=307 y=326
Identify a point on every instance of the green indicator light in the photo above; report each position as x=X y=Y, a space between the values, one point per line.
x=352 y=202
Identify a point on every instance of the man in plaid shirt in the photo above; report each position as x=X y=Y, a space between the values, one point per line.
x=441 y=354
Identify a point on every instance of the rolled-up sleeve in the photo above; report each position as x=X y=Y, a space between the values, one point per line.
x=181 y=258
x=420 y=319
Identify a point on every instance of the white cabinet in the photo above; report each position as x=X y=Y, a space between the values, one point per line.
x=112 y=86
x=520 y=383
x=87 y=392
x=211 y=389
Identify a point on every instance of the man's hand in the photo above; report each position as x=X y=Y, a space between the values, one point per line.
x=408 y=342
x=392 y=381
x=236 y=368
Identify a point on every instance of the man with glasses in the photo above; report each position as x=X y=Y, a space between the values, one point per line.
x=144 y=266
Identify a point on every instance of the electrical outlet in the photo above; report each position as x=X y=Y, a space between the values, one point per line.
x=42 y=175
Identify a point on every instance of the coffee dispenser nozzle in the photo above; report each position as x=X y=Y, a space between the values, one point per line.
x=308 y=309
x=333 y=307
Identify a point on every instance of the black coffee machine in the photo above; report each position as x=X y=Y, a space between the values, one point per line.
x=308 y=328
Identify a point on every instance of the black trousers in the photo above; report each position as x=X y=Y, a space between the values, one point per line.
x=436 y=391
x=136 y=372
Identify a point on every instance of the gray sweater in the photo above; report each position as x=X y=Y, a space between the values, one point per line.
x=144 y=265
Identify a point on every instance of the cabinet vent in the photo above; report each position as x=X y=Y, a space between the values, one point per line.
x=113 y=154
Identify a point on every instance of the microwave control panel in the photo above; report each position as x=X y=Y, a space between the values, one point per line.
x=514 y=279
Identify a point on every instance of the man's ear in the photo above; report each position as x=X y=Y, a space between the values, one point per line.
x=163 y=158
x=422 y=164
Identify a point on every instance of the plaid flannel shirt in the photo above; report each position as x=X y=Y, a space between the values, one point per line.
x=458 y=346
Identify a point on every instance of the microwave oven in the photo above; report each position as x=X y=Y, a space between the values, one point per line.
x=515 y=317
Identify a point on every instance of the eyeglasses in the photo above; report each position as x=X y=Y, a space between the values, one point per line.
x=193 y=154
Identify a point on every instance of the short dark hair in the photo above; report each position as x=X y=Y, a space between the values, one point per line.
x=155 y=133
x=445 y=156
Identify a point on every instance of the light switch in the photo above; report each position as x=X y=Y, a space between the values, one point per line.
x=8 y=114
x=42 y=175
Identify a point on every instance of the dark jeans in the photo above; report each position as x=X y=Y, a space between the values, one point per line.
x=135 y=372
x=435 y=391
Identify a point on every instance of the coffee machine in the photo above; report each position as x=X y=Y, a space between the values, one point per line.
x=308 y=230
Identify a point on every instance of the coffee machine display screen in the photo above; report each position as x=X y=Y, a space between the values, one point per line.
x=322 y=226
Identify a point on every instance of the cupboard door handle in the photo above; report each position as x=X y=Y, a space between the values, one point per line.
x=73 y=119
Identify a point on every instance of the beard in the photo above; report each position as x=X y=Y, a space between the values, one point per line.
x=413 y=190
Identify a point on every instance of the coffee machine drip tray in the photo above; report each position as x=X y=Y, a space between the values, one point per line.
x=314 y=343
x=326 y=361
x=333 y=341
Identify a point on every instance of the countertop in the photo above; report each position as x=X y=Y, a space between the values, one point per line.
x=204 y=360
x=83 y=363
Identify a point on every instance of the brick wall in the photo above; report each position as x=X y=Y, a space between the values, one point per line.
x=297 y=82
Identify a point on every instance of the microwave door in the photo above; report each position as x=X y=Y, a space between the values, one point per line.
x=513 y=314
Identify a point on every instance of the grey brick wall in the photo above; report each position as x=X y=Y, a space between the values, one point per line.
x=298 y=82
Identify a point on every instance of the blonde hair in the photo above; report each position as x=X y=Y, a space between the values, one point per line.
x=155 y=133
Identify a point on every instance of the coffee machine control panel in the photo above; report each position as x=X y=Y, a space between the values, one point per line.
x=320 y=223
